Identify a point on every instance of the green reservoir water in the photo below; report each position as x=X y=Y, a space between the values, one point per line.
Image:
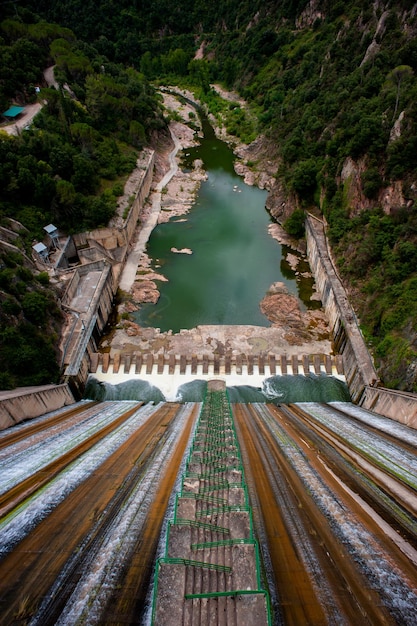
x=234 y=259
x=234 y=262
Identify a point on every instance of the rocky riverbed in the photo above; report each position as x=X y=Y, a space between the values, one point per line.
x=292 y=330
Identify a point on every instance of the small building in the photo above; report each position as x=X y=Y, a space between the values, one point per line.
x=13 y=113
x=41 y=251
x=52 y=231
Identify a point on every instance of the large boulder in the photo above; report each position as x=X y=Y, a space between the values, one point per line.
x=145 y=291
x=280 y=307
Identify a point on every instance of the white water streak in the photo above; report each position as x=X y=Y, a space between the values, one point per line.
x=160 y=551
x=15 y=526
x=387 y=455
x=90 y=595
x=392 y=585
x=20 y=466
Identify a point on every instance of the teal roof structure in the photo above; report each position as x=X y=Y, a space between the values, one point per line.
x=14 y=111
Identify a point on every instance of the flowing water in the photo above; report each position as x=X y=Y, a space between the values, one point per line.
x=276 y=389
x=234 y=260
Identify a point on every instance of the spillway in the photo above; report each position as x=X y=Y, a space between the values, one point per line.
x=90 y=490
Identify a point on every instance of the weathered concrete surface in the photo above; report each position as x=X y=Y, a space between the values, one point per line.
x=358 y=366
x=360 y=374
x=211 y=560
x=129 y=271
x=26 y=403
x=397 y=405
x=212 y=340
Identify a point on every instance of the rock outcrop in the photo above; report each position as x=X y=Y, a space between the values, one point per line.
x=283 y=310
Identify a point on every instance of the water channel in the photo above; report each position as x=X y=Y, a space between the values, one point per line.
x=234 y=260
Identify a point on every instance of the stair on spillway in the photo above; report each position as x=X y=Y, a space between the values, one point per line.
x=210 y=573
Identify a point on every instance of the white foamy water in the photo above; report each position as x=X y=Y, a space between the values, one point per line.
x=16 y=467
x=88 y=600
x=169 y=384
x=15 y=526
x=387 y=455
x=397 y=592
x=384 y=424
x=147 y=611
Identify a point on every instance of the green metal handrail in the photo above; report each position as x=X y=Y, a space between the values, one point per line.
x=223 y=509
x=214 y=431
x=192 y=563
x=196 y=524
x=221 y=543
x=222 y=485
x=203 y=497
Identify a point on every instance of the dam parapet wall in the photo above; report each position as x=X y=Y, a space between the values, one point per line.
x=397 y=405
x=29 y=402
x=347 y=338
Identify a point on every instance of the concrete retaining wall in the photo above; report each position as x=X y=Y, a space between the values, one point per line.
x=87 y=325
x=141 y=195
x=397 y=405
x=112 y=244
x=119 y=237
x=360 y=374
x=22 y=404
x=358 y=366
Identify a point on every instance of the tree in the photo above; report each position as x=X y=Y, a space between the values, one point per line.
x=200 y=73
x=397 y=77
x=137 y=136
x=294 y=225
x=304 y=178
x=34 y=305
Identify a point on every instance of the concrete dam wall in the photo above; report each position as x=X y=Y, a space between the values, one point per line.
x=23 y=404
x=361 y=377
x=348 y=341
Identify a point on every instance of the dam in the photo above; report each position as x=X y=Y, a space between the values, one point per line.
x=208 y=476
x=208 y=512
x=218 y=504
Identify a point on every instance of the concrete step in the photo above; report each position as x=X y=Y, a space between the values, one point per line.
x=169 y=605
x=232 y=610
x=251 y=610
x=218 y=569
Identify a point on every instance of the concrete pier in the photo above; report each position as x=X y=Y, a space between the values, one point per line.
x=139 y=365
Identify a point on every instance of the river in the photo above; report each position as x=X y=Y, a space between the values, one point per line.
x=234 y=260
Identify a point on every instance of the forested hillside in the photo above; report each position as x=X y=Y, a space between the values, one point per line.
x=332 y=85
x=68 y=168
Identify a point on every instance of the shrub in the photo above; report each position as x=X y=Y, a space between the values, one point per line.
x=371 y=182
x=34 y=305
x=294 y=225
x=43 y=278
x=11 y=306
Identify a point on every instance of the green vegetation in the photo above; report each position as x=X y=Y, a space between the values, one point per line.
x=334 y=88
x=294 y=225
x=29 y=325
x=68 y=168
x=56 y=171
